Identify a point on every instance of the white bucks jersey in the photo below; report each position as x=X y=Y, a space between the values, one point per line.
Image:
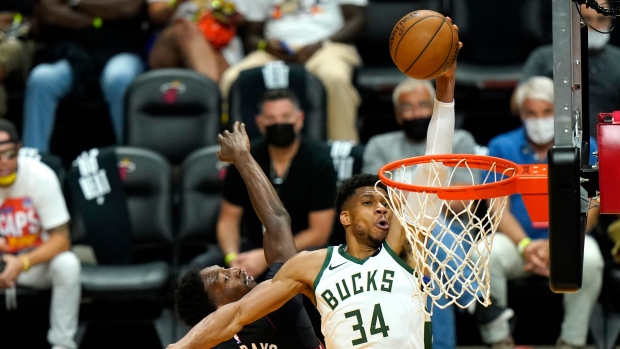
x=369 y=303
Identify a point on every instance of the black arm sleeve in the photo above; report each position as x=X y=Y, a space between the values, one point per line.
x=292 y=318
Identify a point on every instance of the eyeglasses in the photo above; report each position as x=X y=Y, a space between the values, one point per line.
x=8 y=154
x=412 y=107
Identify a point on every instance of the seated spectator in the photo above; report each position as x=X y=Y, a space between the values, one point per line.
x=413 y=102
x=16 y=50
x=88 y=45
x=604 y=64
x=318 y=35
x=194 y=37
x=34 y=237
x=202 y=292
x=303 y=174
x=520 y=250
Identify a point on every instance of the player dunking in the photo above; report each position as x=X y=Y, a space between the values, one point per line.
x=363 y=289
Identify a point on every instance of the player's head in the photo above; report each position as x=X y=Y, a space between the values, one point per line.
x=599 y=26
x=280 y=119
x=199 y=293
x=533 y=101
x=413 y=107
x=363 y=209
x=9 y=148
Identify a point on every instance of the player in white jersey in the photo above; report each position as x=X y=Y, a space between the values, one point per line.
x=366 y=298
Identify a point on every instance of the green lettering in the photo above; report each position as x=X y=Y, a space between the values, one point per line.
x=371 y=280
x=355 y=289
x=344 y=285
x=329 y=298
x=388 y=279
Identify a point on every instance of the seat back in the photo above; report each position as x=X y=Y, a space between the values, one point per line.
x=202 y=177
x=172 y=111
x=247 y=91
x=122 y=200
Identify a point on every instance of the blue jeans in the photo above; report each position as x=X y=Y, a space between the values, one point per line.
x=443 y=320
x=50 y=82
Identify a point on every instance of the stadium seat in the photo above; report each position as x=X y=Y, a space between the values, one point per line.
x=173 y=112
x=122 y=196
x=247 y=91
x=201 y=180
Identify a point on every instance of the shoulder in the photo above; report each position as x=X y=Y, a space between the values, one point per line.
x=304 y=266
x=385 y=139
x=36 y=170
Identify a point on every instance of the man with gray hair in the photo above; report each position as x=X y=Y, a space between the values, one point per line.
x=520 y=250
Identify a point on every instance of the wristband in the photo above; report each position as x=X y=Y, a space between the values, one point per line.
x=262 y=45
x=25 y=262
x=229 y=258
x=522 y=245
x=97 y=22
x=17 y=18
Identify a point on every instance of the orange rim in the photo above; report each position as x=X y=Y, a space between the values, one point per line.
x=522 y=179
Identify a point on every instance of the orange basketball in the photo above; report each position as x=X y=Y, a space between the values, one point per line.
x=423 y=44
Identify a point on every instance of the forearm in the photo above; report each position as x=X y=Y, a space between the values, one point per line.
x=111 y=9
x=161 y=12
x=445 y=88
x=355 y=20
x=61 y=15
x=228 y=237
x=57 y=243
x=310 y=239
x=212 y=330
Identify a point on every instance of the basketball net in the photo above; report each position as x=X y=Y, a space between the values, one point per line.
x=449 y=242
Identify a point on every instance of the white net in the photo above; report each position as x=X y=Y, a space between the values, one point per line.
x=450 y=240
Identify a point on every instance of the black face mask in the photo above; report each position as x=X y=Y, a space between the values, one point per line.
x=416 y=129
x=280 y=135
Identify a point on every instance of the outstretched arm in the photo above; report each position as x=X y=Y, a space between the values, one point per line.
x=296 y=276
x=278 y=238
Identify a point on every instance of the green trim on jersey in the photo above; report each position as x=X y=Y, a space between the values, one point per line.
x=398 y=259
x=330 y=250
x=428 y=335
x=348 y=257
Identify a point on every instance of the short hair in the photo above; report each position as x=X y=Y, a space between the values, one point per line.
x=349 y=185
x=192 y=302
x=409 y=85
x=9 y=127
x=536 y=87
x=277 y=94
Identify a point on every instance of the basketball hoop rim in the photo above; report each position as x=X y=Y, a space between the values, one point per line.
x=503 y=187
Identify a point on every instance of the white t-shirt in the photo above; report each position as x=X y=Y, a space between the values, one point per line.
x=302 y=23
x=33 y=204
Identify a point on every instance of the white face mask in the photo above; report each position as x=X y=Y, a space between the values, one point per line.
x=540 y=130
x=597 y=40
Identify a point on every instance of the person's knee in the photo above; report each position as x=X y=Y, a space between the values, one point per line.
x=44 y=76
x=121 y=70
x=334 y=74
x=65 y=268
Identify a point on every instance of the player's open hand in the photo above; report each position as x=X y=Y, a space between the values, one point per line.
x=450 y=73
x=233 y=143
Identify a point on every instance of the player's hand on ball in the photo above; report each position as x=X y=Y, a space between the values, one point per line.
x=233 y=143
x=450 y=73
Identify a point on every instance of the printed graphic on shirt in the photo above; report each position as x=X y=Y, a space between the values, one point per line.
x=20 y=224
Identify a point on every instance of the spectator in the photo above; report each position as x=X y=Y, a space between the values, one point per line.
x=298 y=168
x=87 y=45
x=519 y=249
x=413 y=102
x=16 y=50
x=318 y=35
x=202 y=39
x=604 y=66
x=35 y=251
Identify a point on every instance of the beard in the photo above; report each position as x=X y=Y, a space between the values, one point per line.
x=371 y=240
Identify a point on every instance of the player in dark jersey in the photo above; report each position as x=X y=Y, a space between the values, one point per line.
x=201 y=292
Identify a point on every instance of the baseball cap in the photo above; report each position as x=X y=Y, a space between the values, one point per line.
x=9 y=127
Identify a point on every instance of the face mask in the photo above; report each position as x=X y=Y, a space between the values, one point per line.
x=540 y=130
x=597 y=40
x=416 y=129
x=8 y=179
x=280 y=135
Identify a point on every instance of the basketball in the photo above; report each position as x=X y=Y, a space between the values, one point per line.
x=423 y=44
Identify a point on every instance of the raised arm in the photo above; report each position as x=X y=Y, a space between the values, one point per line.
x=278 y=239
